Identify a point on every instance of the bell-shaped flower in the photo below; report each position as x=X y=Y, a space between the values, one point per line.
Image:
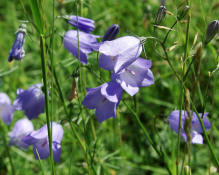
x=196 y=129
x=111 y=33
x=17 y=51
x=87 y=44
x=136 y=75
x=40 y=142
x=84 y=24
x=119 y=53
x=6 y=110
x=31 y=101
x=105 y=99
x=22 y=128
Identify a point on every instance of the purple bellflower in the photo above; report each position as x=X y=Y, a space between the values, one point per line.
x=31 y=101
x=22 y=128
x=40 y=142
x=17 y=51
x=196 y=137
x=136 y=75
x=119 y=53
x=87 y=44
x=105 y=99
x=6 y=110
x=84 y=24
x=111 y=33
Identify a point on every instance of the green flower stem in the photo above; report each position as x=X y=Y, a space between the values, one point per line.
x=44 y=70
x=162 y=155
x=7 y=147
x=206 y=137
x=165 y=39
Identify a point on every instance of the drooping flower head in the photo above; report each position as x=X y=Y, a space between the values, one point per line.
x=17 y=51
x=119 y=53
x=196 y=136
x=84 y=24
x=87 y=44
x=105 y=99
x=22 y=128
x=31 y=101
x=111 y=33
x=136 y=75
x=40 y=142
x=6 y=110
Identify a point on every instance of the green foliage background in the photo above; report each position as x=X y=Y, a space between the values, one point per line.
x=121 y=147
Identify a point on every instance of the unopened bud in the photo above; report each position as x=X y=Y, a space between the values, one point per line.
x=163 y=2
x=182 y=12
x=111 y=33
x=212 y=30
x=187 y=170
x=161 y=13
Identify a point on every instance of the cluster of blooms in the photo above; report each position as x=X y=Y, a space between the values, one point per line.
x=121 y=56
x=129 y=72
x=31 y=101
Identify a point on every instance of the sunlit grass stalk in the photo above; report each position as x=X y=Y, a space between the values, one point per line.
x=7 y=148
x=44 y=71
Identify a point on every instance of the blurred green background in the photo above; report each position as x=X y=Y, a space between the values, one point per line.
x=121 y=147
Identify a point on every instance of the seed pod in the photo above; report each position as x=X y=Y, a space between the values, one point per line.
x=182 y=12
x=161 y=13
x=212 y=30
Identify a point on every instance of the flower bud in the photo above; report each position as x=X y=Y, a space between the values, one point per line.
x=182 y=12
x=163 y=2
x=17 y=52
x=212 y=30
x=161 y=13
x=111 y=33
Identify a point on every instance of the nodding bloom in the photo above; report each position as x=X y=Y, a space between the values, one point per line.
x=212 y=30
x=119 y=53
x=105 y=99
x=196 y=129
x=84 y=24
x=22 y=128
x=87 y=44
x=136 y=75
x=40 y=142
x=17 y=51
x=31 y=101
x=111 y=33
x=6 y=110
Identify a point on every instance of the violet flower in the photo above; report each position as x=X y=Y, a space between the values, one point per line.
x=17 y=51
x=6 y=110
x=40 y=142
x=22 y=128
x=84 y=24
x=31 y=101
x=196 y=129
x=87 y=44
x=119 y=53
x=111 y=33
x=105 y=99
x=136 y=75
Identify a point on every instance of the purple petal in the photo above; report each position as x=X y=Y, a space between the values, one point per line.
x=56 y=147
x=196 y=138
x=196 y=125
x=107 y=62
x=105 y=110
x=6 y=110
x=93 y=98
x=125 y=49
x=87 y=44
x=112 y=91
x=22 y=128
x=57 y=132
x=84 y=24
x=31 y=101
x=42 y=149
x=174 y=120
